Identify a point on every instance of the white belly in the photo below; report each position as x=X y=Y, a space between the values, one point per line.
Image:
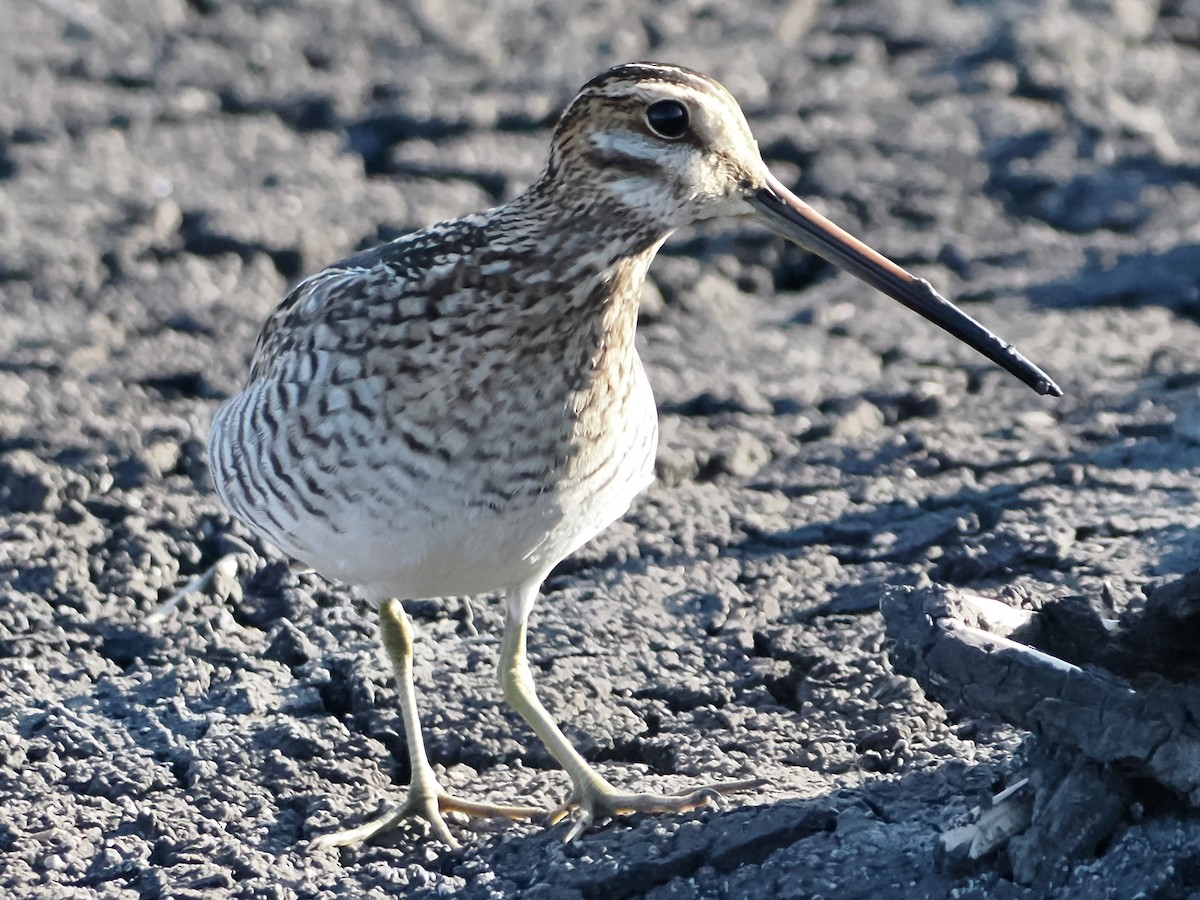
x=399 y=537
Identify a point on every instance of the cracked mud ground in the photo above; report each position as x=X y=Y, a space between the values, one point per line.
x=167 y=169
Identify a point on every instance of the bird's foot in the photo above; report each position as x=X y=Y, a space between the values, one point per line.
x=594 y=800
x=426 y=800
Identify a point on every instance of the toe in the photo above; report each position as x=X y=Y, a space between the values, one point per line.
x=437 y=824
x=478 y=810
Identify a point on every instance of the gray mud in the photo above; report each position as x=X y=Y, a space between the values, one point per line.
x=167 y=169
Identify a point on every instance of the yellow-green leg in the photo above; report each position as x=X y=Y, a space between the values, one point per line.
x=426 y=798
x=592 y=798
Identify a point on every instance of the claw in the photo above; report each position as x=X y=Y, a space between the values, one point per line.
x=581 y=824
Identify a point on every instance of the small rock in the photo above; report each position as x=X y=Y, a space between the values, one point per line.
x=290 y=645
x=861 y=420
x=739 y=455
x=26 y=484
x=1187 y=420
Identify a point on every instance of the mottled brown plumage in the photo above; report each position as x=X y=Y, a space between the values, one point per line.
x=458 y=410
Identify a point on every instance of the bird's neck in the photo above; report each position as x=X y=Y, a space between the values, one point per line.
x=588 y=262
x=583 y=251
x=587 y=228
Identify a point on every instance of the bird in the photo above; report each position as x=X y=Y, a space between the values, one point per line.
x=456 y=411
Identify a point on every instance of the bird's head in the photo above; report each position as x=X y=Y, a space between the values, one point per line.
x=667 y=143
x=665 y=146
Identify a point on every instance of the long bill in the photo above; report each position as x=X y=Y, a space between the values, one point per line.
x=782 y=211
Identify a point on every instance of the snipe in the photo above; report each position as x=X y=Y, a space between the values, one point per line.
x=458 y=410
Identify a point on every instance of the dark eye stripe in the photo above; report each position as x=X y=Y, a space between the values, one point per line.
x=626 y=164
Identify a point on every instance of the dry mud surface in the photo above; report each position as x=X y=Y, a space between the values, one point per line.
x=168 y=168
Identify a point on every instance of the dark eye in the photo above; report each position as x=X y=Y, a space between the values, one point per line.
x=667 y=118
